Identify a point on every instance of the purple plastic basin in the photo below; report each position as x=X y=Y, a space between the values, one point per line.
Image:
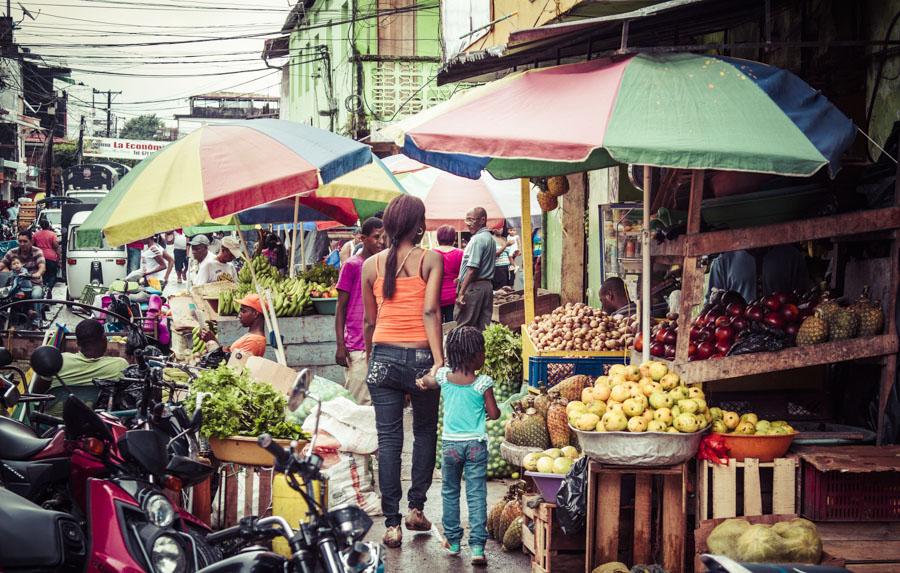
x=547 y=484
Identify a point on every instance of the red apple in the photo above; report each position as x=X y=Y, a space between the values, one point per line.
x=740 y=324
x=723 y=321
x=695 y=331
x=790 y=312
x=705 y=350
x=671 y=336
x=657 y=349
x=774 y=320
x=735 y=309
x=660 y=335
x=754 y=313
x=724 y=334
x=722 y=347
x=772 y=302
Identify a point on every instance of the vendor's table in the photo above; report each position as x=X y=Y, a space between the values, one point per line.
x=658 y=528
x=551 y=550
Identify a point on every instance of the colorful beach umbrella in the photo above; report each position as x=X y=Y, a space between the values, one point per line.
x=219 y=170
x=675 y=110
x=353 y=197
x=448 y=197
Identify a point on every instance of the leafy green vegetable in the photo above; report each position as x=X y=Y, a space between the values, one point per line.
x=238 y=406
x=503 y=360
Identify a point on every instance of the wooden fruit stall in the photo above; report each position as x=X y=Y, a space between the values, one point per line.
x=861 y=225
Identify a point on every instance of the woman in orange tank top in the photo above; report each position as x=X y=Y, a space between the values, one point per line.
x=401 y=294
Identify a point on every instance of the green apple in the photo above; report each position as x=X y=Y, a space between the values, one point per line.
x=659 y=399
x=637 y=424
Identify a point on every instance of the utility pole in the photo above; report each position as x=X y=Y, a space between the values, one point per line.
x=79 y=150
x=48 y=153
x=109 y=94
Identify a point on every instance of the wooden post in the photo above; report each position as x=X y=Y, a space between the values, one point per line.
x=572 y=253
x=646 y=268
x=889 y=370
x=302 y=249
x=292 y=272
x=691 y=277
x=528 y=251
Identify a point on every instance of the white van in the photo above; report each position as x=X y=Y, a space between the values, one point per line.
x=91 y=266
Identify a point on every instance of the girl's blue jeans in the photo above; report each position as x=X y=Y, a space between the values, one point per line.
x=465 y=460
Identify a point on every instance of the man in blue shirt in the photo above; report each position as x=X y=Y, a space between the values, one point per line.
x=759 y=272
x=475 y=293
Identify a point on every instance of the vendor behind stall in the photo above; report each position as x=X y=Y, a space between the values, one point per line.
x=251 y=317
x=759 y=272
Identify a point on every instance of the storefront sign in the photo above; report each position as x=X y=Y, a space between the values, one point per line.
x=121 y=148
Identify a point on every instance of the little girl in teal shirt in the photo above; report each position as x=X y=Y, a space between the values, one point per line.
x=467 y=400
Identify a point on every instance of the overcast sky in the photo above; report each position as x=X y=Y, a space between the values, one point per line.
x=63 y=31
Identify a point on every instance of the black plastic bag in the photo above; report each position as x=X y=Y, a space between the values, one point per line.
x=571 y=501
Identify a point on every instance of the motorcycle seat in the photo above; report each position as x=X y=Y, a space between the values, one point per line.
x=18 y=441
x=33 y=538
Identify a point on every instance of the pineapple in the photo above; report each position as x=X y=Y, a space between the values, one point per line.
x=814 y=330
x=558 y=424
x=512 y=539
x=542 y=403
x=557 y=186
x=871 y=317
x=494 y=515
x=571 y=387
x=533 y=431
x=828 y=309
x=511 y=511
x=844 y=324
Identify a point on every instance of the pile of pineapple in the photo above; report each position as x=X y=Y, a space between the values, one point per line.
x=832 y=321
x=505 y=518
x=645 y=398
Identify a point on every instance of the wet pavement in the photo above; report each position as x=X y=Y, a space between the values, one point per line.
x=422 y=552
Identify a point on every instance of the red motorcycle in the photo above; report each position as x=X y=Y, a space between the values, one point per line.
x=112 y=479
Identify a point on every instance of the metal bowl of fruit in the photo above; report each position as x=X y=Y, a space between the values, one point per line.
x=639 y=448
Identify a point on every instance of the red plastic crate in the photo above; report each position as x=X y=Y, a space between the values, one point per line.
x=845 y=496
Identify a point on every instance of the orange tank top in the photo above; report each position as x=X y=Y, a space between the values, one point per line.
x=400 y=319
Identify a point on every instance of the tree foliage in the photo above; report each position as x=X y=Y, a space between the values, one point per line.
x=142 y=127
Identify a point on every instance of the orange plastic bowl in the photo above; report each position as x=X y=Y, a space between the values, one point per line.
x=763 y=448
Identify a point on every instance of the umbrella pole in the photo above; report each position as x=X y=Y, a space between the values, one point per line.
x=645 y=270
x=528 y=250
x=294 y=235
x=279 y=348
x=302 y=250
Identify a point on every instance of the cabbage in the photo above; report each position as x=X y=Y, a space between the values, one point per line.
x=723 y=539
x=801 y=539
x=761 y=544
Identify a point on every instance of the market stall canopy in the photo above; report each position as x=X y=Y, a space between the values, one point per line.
x=674 y=110
x=448 y=197
x=353 y=197
x=219 y=170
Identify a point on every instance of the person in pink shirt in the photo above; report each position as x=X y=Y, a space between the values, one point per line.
x=349 y=316
x=47 y=241
x=446 y=236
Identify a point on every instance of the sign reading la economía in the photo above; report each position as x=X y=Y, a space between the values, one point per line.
x=121 y=148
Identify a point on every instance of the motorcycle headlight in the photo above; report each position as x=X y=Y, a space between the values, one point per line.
x=4 y=292
x=159 y=511
x=167 y=556
x=351 y=521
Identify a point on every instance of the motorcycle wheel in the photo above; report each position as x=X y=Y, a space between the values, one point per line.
x=208 y=554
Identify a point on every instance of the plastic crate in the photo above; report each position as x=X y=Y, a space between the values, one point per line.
x=845 y=496
x=547 y=371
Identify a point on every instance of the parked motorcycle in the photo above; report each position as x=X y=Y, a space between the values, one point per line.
x=113 y=479
x=329 y=541
x=18 y=288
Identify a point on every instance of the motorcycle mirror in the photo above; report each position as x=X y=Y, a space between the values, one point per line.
x=197 y=418
x=46 y=361
x=6 y=357
x=9 y=393
x=300 y=389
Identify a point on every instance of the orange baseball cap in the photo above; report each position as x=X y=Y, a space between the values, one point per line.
x=252 y=301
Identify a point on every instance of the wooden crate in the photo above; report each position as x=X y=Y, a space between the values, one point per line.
x=746 y=488
x=701 y=534
x=646 y=527
x=512 y=314
x=865 y=547
x=551 y=550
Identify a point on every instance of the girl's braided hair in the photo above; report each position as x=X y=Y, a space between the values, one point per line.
x=463 y=344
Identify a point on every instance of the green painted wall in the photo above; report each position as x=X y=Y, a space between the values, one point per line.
x=886 y=110
x=386 y=84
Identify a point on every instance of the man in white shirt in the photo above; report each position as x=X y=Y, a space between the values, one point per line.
x=199 y=253
x=217 y=268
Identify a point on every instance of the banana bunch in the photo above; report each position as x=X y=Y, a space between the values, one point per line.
x=264 y=271
x=291 y=297
x=197 y=344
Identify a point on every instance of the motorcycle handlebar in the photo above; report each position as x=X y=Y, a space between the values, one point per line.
x=282 y=456
x=41 y=418
x=250 y=527
x=226 y=534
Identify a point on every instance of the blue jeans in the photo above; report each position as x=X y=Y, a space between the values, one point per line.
x=465 y=459
x=392 y=375
x=134 y=259
x=37 y=291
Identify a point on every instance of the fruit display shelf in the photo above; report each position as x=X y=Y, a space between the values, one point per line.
x=645 y=449
x=698 y=371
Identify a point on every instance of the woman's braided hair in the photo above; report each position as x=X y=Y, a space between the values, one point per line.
x=463 y=344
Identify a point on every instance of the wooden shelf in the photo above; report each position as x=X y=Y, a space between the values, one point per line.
x=781 y=233
x=787 y=359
